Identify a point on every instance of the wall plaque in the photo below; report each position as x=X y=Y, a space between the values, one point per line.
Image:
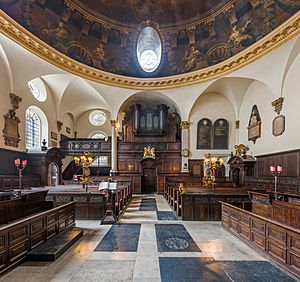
x=221 y=134
x=254 y=126
x=53 y=135
x=204 y=132
x=278 y=125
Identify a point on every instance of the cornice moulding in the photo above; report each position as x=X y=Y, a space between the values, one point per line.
x=270 y=42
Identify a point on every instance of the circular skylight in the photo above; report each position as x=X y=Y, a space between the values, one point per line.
x=149 y=49
x=97 y=118
x=38 y=89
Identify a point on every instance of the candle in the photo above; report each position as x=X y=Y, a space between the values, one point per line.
x=279 y=168
x=17 y=161
x=272 y=168
x=24 y=163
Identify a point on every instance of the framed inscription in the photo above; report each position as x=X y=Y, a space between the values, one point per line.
x=278 y=125
x=221 y=134
x=53 y=135
x=204 y=133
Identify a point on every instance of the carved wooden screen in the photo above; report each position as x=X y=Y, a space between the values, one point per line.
x=204 y=134
x=220 y=137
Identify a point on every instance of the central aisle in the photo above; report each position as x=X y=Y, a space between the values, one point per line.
x=151 y=244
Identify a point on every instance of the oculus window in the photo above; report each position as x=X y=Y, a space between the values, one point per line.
x=38 y=89
x=149 y=49
x=97 y=118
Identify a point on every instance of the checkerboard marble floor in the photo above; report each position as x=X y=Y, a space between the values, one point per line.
x=151 y=244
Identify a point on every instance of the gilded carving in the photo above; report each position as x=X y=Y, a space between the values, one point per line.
x=241 y=149
x=277 y=104
x=239 y=35
x=185 y=125
x=149 y=152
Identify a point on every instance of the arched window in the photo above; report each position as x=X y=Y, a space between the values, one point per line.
x=32 y=129
x=36 y=127
x=98 y=135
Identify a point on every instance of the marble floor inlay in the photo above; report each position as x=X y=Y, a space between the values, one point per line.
x=166 y=215
x=151 y=245
x=174 y=238
x=121 y=238
x=148 y=204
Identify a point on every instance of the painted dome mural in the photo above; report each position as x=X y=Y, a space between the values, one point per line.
x=191 y=35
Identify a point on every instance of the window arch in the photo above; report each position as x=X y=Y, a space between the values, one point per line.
x=36 y=127
x=32 y=129
x=38 y=89
x=99 y=135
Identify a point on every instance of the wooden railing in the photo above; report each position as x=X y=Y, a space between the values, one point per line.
x=278 y=241
x=19 y=237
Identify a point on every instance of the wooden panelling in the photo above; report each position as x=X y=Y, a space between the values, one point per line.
x=279 y=242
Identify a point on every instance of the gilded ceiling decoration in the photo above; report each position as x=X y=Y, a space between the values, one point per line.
x=194 y=35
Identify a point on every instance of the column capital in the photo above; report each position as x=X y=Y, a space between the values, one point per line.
x=113 y=122
x=185 y=124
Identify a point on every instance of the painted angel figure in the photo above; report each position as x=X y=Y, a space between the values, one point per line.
x=239 y=34
x=192 y=58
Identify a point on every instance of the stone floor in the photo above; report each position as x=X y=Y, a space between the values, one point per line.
x=151 y=244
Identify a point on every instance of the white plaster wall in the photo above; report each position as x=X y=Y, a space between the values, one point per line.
x=262 y=96
x=4 y=100
x=85 y=128
x=212 y=106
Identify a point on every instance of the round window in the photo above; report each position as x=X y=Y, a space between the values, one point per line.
x=97 y=118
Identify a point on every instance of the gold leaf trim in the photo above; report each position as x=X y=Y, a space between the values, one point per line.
x=273 y=40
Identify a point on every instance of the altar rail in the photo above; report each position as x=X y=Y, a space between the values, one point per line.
x=279 y=242
x=21 y=236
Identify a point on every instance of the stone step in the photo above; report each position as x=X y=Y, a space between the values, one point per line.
x=53 y=248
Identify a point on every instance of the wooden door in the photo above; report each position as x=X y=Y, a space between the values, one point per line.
x=149 y=180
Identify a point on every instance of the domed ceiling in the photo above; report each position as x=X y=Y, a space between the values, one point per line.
x=192 y=35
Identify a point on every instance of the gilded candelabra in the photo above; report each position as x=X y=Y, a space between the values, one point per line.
x=276 y=171
x=210 y=166
x=84 y=161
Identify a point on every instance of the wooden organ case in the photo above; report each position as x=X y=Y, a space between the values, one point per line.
x=150 y=125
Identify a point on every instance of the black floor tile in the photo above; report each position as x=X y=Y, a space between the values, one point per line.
x=166 y=215
x=148 y=204
x=254 y=271
x=187 y=269
x=174 y=238
x=120 y=238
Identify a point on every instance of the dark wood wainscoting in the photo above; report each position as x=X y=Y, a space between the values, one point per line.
x=279 y=242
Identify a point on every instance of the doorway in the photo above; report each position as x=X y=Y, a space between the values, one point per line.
x=53 y=174
x=149 y=180
x=236 y=177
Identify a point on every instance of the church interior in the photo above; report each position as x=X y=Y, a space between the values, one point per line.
x=149 y=140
